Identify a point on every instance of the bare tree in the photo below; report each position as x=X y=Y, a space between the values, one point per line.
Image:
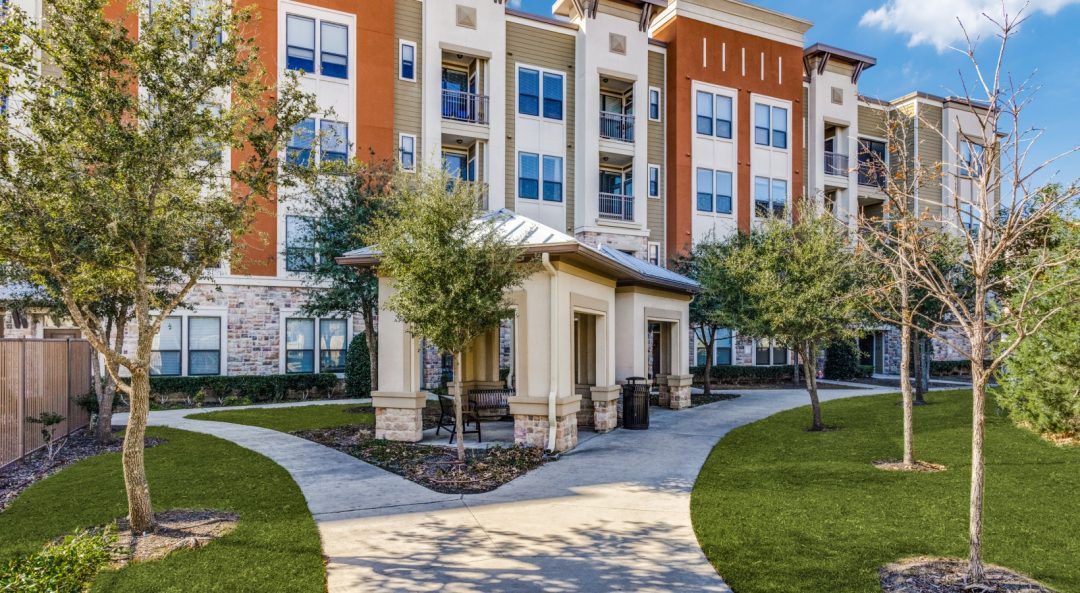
x=995 y=209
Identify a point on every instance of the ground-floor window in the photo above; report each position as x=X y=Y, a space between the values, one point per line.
x=723 y=344
x=770 y=353
x=204 y=345
x=188 y=345
x=308 y=340
x=167 y=348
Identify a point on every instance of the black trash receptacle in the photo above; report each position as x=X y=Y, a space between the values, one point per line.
x=635 y=403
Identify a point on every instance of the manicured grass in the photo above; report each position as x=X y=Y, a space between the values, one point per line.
x=293 y=418
x=779 y=509
x=275 y=547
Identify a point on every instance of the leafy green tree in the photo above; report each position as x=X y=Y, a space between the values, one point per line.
x=358 y=381
x=342 y=206
x=115 y=181
x=799 y=284
x=451 y=266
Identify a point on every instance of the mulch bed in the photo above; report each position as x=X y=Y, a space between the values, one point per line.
x=896 y=465
x=19 y=475
x=943 y=575
x=433 y=467
x=178 y=529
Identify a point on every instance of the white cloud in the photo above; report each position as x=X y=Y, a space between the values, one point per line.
x=934 y=22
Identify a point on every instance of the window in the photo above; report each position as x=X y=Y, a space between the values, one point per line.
x=705 y=113
x=407 y=152
x=334 y=141
x=971 y=158
x=770 y=196
x=761 y=124
x=528 y=176
x=407 y=70
x=722 y=348
x=553 y=179
x=300 y=252
x=769 y=353
x=299 y=345
x=872 y=162
x=298 y=152
x=970 y=217
x=654 y=181
x=332 y=345
x=654 y=103
x=770 y=126
x=166 y=348
x=528 y=91
x=299 y=43
x=705 y=190
x=204 y=345
x=335 y=50
x=654 y=253
x=553 y=96
x=723 y=192
x=723 y=117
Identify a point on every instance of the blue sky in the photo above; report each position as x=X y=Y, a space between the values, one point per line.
x=910 y=39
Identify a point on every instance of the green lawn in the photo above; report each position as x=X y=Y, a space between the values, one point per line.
x=778 y=509
x=275 y=547
x=292 y=419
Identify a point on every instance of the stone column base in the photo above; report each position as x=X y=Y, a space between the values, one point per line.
x=399 y=416
x=532 y=431
x=679 y=391
x=664 y=390
x=605 y=402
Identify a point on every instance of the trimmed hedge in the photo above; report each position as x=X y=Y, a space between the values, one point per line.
x=745 y=375
x=842 y=361
x=257 y=388
x=358 y=368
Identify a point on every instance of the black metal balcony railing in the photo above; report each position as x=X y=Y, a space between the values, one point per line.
x=616 y=206
x=836 y=164
x=616 y=126
x=467 y=107
x=871 y=174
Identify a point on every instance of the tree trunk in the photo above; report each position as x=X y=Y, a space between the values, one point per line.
x=976 y=571
x=108 y=393
x=906 y=393
x=710 y=345
x=140 y=513
x=373 y=348
x=921 y=382
x=808 y=353
x=459 y=428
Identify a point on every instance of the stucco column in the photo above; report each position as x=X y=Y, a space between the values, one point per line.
x=531 y=421
x=679 y=391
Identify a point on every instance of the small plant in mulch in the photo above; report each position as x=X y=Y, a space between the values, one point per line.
x=16 y=477
x=944 y=575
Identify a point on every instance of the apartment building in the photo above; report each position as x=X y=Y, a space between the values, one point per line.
x=640 y=125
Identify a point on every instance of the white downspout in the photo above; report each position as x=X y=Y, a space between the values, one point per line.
x=553 y=369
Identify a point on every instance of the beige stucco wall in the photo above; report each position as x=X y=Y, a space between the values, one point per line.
x=634 y=308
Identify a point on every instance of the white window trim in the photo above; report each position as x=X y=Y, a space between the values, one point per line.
x=284 y=314
x=728 y=92
x=540 y=112
x=771 y=102
x=220 y=312
x=734 y=193
x=562 y=183
x=659 y=104
x=416 y=66
x=659 y=252
x=319 y=14
x=788 y=200
x=659 y=182
x=772 y=347
x=400 y=143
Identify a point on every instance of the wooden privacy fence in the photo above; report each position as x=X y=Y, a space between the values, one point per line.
x=40 y=376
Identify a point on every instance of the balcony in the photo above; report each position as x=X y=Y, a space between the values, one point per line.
x=616 y=126
x=616 y=207
x=465 y=107
x=871 y=174
x=836 y=164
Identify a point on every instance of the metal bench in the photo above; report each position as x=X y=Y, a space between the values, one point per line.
x=490 y=404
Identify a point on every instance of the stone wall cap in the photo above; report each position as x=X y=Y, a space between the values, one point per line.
x=605 y=393
x=680 y=380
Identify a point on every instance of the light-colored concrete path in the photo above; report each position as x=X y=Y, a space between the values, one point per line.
x=611 y=515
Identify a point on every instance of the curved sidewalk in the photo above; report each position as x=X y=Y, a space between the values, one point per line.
x=611 y=515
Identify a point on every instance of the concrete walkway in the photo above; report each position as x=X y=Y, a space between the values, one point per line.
x=611 y=515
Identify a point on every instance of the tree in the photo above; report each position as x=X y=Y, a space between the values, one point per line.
x=451 y=267
x=799 y=284
x=997 y=212
x=358 y=381
x=115 y=182
x=342 y=208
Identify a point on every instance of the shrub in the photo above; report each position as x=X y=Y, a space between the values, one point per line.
x=358 y=368
x=236 y=400
x=69 y=565
x=865 y=371
x=951 y=367
x=745 y=375
x=842 y=361
x=257 y=388
x=87 y=401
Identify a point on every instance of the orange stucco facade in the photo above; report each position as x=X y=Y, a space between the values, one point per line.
x=685 y=38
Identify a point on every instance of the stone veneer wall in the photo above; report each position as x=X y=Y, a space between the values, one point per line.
x=399 y=424
x=532 y=431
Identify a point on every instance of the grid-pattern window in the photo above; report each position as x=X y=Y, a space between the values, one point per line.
x=873 y=155
x=705 y=190
x=528 y=91
x=300 y=251
x=770 y=196
x=723 y=192
x=723 y=341
x=299 y=345
x=407 y=152
x=166 y=348
x=334 y=58
x=723 y=117
x=971 y=158
x=769 y=353
x=654 y=253
x=204 y=345
x=553 y=96
x=770 y=126
x=654 y=104
x=553 y=178
x=761 y=124
x=298 y=151
x=408 y=61
x=333 y=334
x=528 y=175
x=714 y=191
x=334 y=141
x=654 y=181
x=299 y=43
x=705 y=113
x=779 y=196
x=779 y=127
x=714 y=115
